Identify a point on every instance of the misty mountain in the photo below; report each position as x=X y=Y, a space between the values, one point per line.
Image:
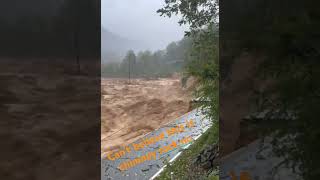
x=114 y=47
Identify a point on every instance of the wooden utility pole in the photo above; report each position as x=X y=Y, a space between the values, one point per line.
x=76 y=46
x=129 y=69
x=76 y=42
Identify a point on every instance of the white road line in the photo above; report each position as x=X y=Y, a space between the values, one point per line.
x=175 y=157
x=197 y=137
x=206 y=128
x=179 y=153
x=157 y=174
x=160 y=171
x=187 y=146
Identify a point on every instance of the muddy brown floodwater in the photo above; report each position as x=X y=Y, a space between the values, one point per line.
x=130 y=111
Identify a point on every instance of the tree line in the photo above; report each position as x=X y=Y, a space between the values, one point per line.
x=161 y=63
x=65 y=29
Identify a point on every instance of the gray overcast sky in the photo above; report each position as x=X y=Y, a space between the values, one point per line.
x=138 y=20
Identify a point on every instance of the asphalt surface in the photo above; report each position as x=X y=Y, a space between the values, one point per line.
x=257 y=162
x=150 y=167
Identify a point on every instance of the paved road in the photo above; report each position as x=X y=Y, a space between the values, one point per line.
x=258 y=161
x=149 y=168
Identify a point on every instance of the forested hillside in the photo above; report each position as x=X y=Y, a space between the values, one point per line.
x=114 y=47
x=160 y=63
x=59 y=28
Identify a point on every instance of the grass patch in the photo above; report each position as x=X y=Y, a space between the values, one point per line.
x=182 y=168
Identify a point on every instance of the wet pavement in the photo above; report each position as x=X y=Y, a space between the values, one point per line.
x=255 y=162
x=138 y=163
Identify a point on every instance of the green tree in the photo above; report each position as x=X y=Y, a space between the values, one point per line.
x=129 y=63
x=287 y=42
x=201 y=15
x=75 y=30
x=161 y=63
x=203 y=60
x=287 y=37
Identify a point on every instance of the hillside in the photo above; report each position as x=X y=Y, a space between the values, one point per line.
x=114 y=47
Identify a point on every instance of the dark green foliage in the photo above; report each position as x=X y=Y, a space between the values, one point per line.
x=295 y=66
x=203 y=63
x=286 y=34
x=184 y=168
x=196 y=13
x=204 y=66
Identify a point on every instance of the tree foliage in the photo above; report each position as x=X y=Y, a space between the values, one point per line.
x=202 y=16
x=196 y=13
x=161 y=63
x=203 y=63
x=286 y=34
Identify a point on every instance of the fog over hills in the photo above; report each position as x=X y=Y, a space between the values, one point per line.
x=114 y=46
x=139 y=20
x=135 y=24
